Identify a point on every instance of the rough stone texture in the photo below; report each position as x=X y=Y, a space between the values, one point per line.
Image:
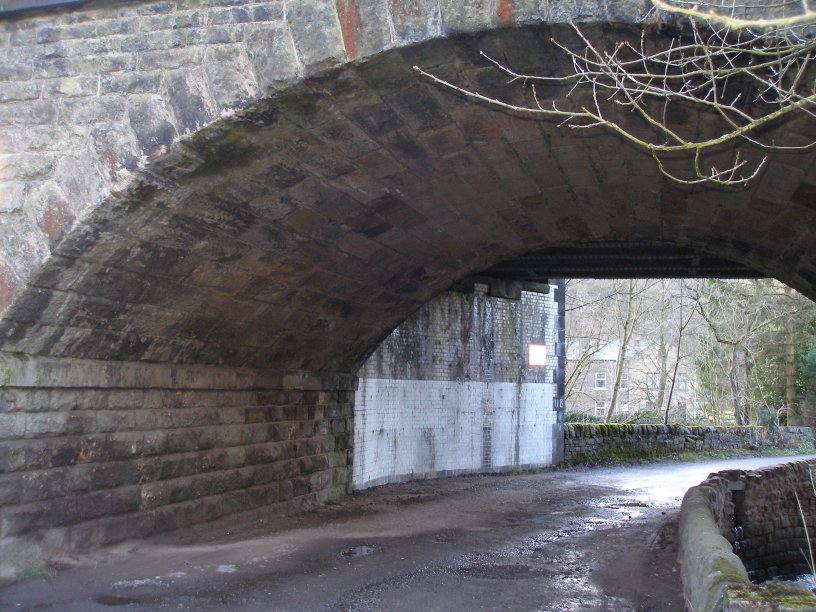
x=707 y=561
x=232 y=190
x=93 y=453
x=772 y=538
x=749 y=512
x=232 y=185
x=450 y=391
x=613 y=442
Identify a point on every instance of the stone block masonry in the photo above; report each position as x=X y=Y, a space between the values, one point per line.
x=88 y=94
x=214 y=184
x=93 y=453
x=589 y=443
x=775 y=510
x=741 y=526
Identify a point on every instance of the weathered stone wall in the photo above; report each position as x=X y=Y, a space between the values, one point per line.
x=589 y=443
x=285 y=161
x=271 y=185
x=707 y=562
x=450 y=391
x=754 y=513
x=92 y=453
x=771 y=524
x=89 y=94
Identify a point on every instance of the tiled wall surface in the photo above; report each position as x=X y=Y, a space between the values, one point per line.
x=450 y=391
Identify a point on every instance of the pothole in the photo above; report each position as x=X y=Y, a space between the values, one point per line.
x=358 y=551
x=503 y=572
x=115 y=600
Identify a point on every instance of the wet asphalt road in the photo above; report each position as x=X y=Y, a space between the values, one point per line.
x=576 y=539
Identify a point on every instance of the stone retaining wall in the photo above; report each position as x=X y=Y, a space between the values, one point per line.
x=93 y=453
x=754 y=513
x=590 y=443
x=771 y=525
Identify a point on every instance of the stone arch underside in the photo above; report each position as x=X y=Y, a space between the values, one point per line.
x=296 y=233
x=187 y=349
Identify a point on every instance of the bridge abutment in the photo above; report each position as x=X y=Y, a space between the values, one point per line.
x=192 y=189
x=93 y=453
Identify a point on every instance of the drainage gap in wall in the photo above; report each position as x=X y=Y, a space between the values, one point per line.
x=487 y=448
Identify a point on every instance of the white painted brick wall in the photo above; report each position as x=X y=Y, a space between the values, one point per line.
x=450 y=392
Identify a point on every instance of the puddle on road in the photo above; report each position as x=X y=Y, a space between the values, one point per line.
x=358 y=551
x=115 y=600
x=632 y=504
x=495 y=571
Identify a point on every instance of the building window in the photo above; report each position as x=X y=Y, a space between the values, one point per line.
x=600 y=408
x=600 y=380
x=624 y=407
x=652 y=378
x=624 y=380
x=682 y=382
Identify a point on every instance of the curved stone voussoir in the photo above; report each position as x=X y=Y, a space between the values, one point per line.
x=211 y=213
x=298 y=230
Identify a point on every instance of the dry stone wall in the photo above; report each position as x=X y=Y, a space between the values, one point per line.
x=92 y=453
x=590 y=443
x=775 y=510
x=742 y=526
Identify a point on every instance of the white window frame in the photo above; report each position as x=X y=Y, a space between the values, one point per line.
x=624 y=380
x=600 y=408
x=600 y=377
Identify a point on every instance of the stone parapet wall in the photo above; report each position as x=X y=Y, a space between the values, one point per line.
x=94 y=453
x=771 y=525
x=590 y=443
x=756 y=515
x=708 y=564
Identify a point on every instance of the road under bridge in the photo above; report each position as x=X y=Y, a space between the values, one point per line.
x=212 y=213
x=589 y=538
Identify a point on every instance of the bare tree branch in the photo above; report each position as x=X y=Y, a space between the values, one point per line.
x=749 y=72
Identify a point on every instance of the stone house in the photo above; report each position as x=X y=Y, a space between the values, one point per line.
x=591 y=378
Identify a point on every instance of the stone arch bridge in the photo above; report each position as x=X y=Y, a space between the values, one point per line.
x=212 y=211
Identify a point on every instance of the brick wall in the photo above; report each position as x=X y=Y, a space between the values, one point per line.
x=92 y=453
x=588 y=443
x=450 y=391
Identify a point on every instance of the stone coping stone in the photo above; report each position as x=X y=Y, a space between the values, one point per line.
x=714 y=578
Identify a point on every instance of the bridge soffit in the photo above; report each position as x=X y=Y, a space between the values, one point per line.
x=237 y=161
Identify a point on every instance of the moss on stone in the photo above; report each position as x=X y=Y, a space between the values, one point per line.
x=727 y=571
x=6 y=372
x=768 y=596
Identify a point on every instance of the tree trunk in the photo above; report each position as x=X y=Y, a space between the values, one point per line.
x=732 y=380
x=628 y=326
x=795 y=416
x=746 y=396
x=663 y=356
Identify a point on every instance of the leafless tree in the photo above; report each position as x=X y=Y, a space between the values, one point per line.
x=756 y=322
x=628 y=314
x=748 y=65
